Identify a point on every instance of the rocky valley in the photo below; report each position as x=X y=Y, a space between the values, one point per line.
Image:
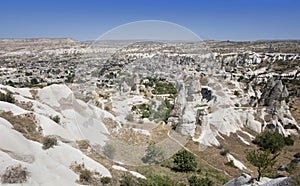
x=112 y=112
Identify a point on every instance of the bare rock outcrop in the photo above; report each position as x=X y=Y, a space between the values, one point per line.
x=273 y=93
x=184 y=115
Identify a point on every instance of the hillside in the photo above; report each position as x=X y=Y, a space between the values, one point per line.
x=88 y=114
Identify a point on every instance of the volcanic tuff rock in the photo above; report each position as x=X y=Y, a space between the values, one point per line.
x=246 y=180
x=273 y=93
x=184 y=115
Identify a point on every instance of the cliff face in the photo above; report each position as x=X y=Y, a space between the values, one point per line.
x=274 y=97
x=273 y=93
x=184 y=115
x=222 y=107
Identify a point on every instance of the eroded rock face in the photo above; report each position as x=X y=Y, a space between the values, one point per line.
x=247 y=180
x=242 y=180
x=184 y=115
x=274 y=97
x=273 y=93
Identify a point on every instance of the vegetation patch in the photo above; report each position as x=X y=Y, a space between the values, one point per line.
x=153 y=154
x=184 y=161
x=263 y=160
x=15 y=174
x=56 y=119
x=8 y=97
x=87 y=177
x=24 y=124
x=49 y=142
x=197 y=181
x=272 y=141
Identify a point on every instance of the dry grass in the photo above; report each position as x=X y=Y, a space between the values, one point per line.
x=159 y=133
x=83 y=144
x=24 y=124
x=110 y=124
x=131 y=137
x=24 y=105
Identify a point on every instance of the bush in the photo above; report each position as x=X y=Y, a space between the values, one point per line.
x=49 y=142
x=56 y=119
x=7 y=97
x=85 y=176
x=34 y=81
x=14 y=174
x=288 y=141
x=224 y=152
x=184 y=161
x=272 y=141
x=128 y=180
x=105 y=180
x=236 y=93
x=195 y=181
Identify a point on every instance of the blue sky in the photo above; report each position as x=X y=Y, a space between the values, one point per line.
x=210 y=19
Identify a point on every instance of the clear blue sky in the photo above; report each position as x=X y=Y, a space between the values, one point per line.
x=211 y=19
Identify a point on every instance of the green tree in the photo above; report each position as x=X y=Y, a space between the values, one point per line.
x=153 y=154
x=272 y=141
x=263 y=160
x=184 y=161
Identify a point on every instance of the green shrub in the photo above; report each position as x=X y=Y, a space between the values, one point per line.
x=105 y=180
x=85 y=176
x=288 y=141
x=196 y=181
x=56 y=119
x=236 y=93
x=49 y=142
x=128 y=180
x=224 y=152
x=184 y=161
x=133 y=108
x=164 y=88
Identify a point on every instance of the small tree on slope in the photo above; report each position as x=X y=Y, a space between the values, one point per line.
x=263 y=160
